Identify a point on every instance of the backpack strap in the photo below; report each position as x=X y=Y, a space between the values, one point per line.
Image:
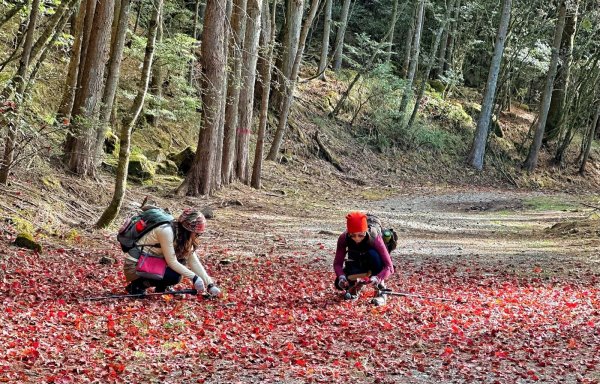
x=147 y=230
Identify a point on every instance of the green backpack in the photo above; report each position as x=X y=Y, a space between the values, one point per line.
x=389 y=236
x=138 y=225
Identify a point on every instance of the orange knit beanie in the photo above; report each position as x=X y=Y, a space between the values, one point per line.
x=356 y=222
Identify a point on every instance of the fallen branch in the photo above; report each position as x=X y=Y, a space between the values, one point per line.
x=591 y=206
x=327 y=154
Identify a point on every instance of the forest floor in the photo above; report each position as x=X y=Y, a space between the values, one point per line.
x=501 y=283
x=520 y=270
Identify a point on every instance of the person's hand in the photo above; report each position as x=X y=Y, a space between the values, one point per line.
x=198 y=284
x=373 y=280
x=213 y=290
x=343 y=282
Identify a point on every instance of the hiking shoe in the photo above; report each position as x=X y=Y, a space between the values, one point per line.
x=349 y=296
x=163 y=289
x=134 y=289
x=378 y=300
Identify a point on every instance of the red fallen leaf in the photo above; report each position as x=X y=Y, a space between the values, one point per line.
x=359 y=365
x=300 y=362
x=447 y=351
x=501 y=354
x=537 y=269
x=572 y=343
x=571 y=305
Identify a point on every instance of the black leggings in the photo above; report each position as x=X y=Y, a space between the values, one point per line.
x=170 y=278
x=362 y=262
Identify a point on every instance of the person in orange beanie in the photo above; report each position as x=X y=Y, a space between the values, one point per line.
x=367 y=257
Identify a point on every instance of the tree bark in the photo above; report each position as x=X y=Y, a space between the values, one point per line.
x=532 y=157
x=200 y=179
x=114 y=63
x=236 y=44
x=589 y=139
x=18 y=82
x=477 y=152
x=325 y=42
x=156 y=83
x=392 y=28
x=80 y=148
x=195 y=34
x=291 y=84
x=267 y=43
x=112 y=210
x=408 y=40
x=561 y=83
x=340 y=35
x=246 y=104
x=46 y=48
x=68 y=95
x=430 y=65
x=452 y=37
x=291 y=36
x=414 y=60
x=53 y=24
x=220 y=124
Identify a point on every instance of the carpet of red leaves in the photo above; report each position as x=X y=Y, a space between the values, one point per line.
x=280 y=320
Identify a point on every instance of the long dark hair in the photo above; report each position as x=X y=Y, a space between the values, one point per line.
x=184 y=244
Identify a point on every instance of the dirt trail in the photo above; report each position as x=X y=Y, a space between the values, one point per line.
x=491 y=227
x=486 y=227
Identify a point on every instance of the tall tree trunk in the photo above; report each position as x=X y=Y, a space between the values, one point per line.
x=137 y=16
x=236 y=44
x=45 y=49
x=325 y=42
x=54 y=23
x=246 y=104
x=68 y=95
x=217 y=182
x=561 y=83
x=340 y=35
x=88 y=24
x=195 y=33
x=291 y=84
x=18 y=82
x=408 y=41
x=291 y=36
x=589 y=139
x=534 y=150
x=452 y=37
x=17 y=42
x=392 y=28
x=267 y=42
x=112 y=210
x=81 y=146
x=477 y=151
x=114 y=64
x=199 y=179
x=13 y=11
x=414 y=60
x=430 y=64
x=156 y=82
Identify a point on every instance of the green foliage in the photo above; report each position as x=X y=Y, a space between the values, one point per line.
x=548 y=203
x=449 y=114
x=173 y=55
x=363 y=51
